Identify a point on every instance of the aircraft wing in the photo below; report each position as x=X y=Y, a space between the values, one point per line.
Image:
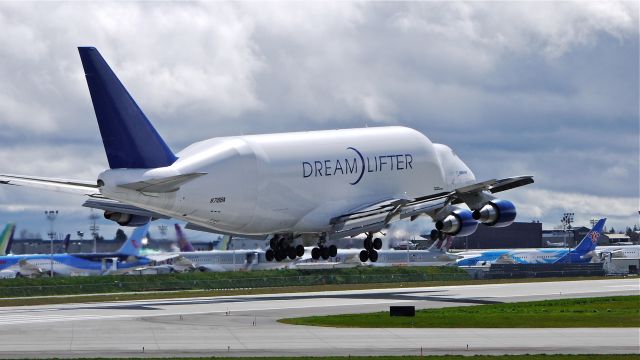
x=54 y=184
x=375 y=217
x=116 y=206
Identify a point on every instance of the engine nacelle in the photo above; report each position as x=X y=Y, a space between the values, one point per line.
x=124 y=219
x=498 y=213
x=459 y=223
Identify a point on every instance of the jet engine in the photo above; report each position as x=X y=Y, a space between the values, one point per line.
x=498 y=213
x=459 y=223
x=124 y=219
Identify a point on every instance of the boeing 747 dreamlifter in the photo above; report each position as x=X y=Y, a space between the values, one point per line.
x=318 y=184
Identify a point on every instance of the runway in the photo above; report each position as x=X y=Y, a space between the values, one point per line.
x=247 y=325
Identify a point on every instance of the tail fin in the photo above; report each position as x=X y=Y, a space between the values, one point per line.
x=224 y=245
x=590 y=241
x=133 y=244
x=6 y=239
x=129 y=139
x=183 y=243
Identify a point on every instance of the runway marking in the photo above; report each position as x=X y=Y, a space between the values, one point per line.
x=30 y=319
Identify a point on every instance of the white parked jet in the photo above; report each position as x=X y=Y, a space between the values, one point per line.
x=321 y=184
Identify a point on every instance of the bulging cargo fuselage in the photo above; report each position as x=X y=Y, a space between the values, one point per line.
x=264 y=184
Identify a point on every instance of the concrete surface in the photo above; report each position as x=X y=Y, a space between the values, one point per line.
x=247 y=325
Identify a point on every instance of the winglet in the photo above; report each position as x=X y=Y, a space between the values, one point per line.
x=129 y=139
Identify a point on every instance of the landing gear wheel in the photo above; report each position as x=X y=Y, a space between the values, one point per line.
x=333 y=251
x=269 y=255
x=434 y=234
x=377 y=243
x=315 y=253
x=291 y=252
x=324 y=252
x=373 y=256
x=273 y=242
x=280 y=256
x=364 y=256
x=368 y=243
x=299 y=250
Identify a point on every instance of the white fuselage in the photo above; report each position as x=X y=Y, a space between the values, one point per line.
x=294 y=182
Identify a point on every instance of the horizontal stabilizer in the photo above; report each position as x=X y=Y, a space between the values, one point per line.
x=54 y=184
x=161 y=185
x=118 y=207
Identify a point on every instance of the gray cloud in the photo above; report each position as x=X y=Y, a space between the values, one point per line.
x=549 y=89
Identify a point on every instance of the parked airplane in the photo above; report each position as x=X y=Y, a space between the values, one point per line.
x=6 y=238
x=584 y=252
x=320 y=184
x=123 y=260
x=618 y=251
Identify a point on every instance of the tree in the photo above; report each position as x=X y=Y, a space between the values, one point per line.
x=120 y=235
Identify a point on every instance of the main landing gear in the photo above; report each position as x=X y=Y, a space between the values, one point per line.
x=370 y=247
x=281 y=248
x=323 y=251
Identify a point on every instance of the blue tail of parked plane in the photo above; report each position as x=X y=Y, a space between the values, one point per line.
x=590 y=241
x=133 y=244
x=129 y=139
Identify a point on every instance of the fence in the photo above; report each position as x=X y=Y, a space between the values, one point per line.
x=222 y=284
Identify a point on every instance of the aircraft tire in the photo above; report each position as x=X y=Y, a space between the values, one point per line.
x=377 y=243
x=364 y=256
x=273 y=242
x=434 y=235
x=269 y=255
x=315 y=253
x=368 y=243
x=373 y=256
x=333 y=251
x=291 y=253
x=280 y=255
x=324 y=252
x=299 y=250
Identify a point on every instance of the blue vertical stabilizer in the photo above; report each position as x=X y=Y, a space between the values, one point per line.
x=129 y=139
x=133 y=244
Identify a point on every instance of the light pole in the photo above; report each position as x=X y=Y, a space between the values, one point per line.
x=51 y=216
x=567 y=219
x=94 y=230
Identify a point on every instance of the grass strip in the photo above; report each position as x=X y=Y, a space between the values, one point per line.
x=617 y=311
x=84 y=298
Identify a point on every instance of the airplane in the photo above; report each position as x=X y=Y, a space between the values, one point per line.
x=123 y=260
x=436 y=255
x=582 y=253
x=322 y=185
x=618 y=251
x=6 y=238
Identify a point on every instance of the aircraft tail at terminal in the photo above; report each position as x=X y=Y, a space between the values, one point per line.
x=133 y=244
x=183 y=244
x=6 y=238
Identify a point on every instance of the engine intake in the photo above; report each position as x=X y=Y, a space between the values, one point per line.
x=124 y=219
x=498 y=213
x=459 y=223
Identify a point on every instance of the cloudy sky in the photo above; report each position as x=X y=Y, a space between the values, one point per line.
x=547 y=89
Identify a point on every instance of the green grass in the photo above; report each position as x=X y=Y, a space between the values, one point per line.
x=618 y=311
x=25 y=287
